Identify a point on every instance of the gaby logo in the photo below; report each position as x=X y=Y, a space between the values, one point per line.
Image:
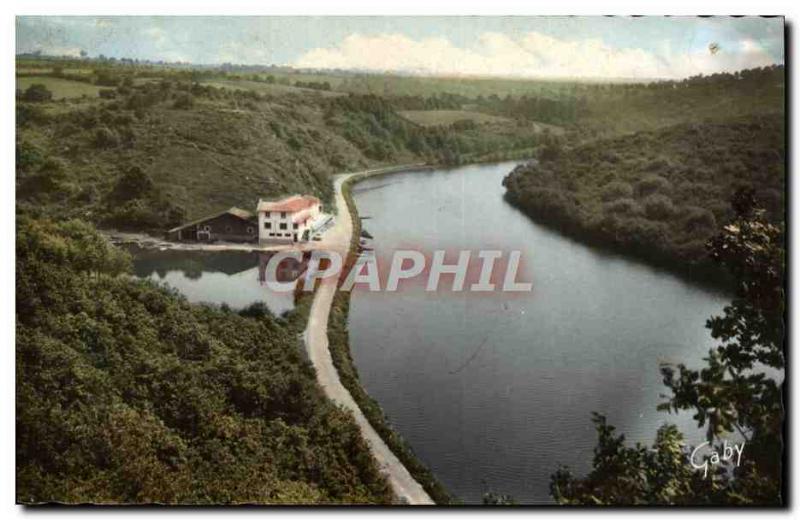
x=473 y=271
x=728 y=453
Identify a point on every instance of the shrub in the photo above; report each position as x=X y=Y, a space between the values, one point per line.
x=658 y=207
x=183 y=101
x=134 y=183
x=652 y=184
x=104 y=137
x=550 y=152
x=616 y=190
x=698 y=219
x=106 y=79
x=28 y=155
x=28 y=114
x=257 y=310
x=51 y=179
x=67 y=129
x=625 y=206
x=37 y=93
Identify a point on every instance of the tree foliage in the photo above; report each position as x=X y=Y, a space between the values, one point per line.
x=128 y=394
x=661 y=194
x=737 y=394
x=37 y=93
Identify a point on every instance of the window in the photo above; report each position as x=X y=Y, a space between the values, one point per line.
x=283 y=214
x=283 y=225
x=272 y=234
x=249 y=230
x=227 y=229
x=266 y=214
x=206 y=228
x=295 y=225
x=267 y=225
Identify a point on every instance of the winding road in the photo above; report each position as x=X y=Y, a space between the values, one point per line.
x=404 y=486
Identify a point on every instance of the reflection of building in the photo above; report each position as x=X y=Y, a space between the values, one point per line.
x=289 y=220
x=288 y=270
x=232 y=225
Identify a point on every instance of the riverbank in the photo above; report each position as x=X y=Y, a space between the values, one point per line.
x=705 y=274
x=340 y=238
x=339 y=346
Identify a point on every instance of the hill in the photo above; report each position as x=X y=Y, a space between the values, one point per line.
x=128 y=394
x=202 y=147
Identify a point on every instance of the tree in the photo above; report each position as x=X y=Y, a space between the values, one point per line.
x=37 y=93
x=134 y=183
x=732 y=393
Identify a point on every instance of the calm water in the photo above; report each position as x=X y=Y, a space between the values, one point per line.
x=229 y=277
x=494 y=392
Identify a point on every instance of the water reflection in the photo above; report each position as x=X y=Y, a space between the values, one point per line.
x=233 y=278
x=495 y=391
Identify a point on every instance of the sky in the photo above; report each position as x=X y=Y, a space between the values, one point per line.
x=534 y=47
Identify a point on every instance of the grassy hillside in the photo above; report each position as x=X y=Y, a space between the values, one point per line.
x=213 y=143
x=128 y=394
x=61 y=88
x=656 y=194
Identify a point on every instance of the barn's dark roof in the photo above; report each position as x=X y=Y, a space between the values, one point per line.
x=236 y=212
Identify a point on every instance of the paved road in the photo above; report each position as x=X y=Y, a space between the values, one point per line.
x=316 y=337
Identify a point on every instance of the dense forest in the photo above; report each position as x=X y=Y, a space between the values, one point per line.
x=128 y=394
x=657 y=194
x=661 y=194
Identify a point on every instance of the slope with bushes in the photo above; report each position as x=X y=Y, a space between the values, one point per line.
x=656 y=194
x=205 y=148
x=128 y=394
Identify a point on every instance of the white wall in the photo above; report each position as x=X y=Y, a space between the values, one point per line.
x=275 y=219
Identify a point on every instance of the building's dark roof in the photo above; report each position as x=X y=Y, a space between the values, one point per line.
x=236 y=212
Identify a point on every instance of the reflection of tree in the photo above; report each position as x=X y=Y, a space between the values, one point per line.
x=193 y=270
x=190 y=263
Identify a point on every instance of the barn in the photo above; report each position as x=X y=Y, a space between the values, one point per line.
x=231 y=225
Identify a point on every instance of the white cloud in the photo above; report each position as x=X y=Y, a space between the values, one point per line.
x=532 y=54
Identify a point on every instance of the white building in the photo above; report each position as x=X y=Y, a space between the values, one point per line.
x=287 y=220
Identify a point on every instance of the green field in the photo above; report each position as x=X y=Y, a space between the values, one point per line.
x=61 y=88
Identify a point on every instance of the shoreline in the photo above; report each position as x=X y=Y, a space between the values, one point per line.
x=316 y=337
x=706 y=275
x=339 y=347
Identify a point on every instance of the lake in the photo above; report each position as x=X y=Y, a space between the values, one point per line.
x=233 y=278
x=494 y=391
